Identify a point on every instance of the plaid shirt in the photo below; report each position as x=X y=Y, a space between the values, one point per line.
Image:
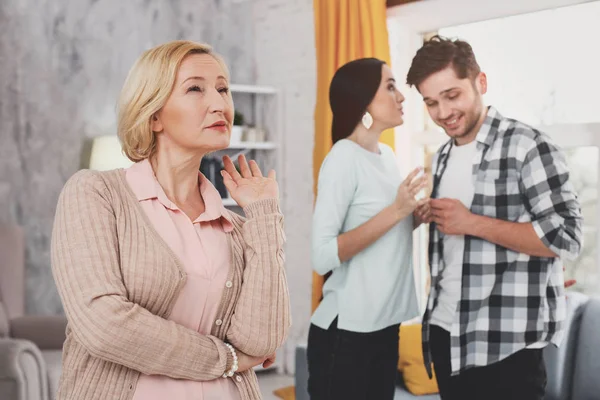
x=509 y=300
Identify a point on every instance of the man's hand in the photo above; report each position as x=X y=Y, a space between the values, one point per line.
x=451 y=216
x=422 y=214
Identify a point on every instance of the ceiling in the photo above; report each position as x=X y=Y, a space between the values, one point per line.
x=393 y=3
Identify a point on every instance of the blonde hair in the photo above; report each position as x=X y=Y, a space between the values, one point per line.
x=146 y=90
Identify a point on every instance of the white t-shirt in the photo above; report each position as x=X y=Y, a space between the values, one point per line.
x=456 y=183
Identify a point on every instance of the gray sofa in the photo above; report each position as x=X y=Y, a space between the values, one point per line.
x=30 y=346
x=573 y=369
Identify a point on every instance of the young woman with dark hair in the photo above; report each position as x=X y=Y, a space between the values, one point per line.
x=362 y=238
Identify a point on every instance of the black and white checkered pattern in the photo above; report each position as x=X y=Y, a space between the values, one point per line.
x=509 y=300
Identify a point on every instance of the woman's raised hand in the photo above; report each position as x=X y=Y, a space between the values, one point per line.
x=406 y=201
x=248 y=185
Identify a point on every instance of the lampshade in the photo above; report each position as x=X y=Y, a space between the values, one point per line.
x=107 y=154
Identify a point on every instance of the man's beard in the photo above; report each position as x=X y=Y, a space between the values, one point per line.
x=471 y=121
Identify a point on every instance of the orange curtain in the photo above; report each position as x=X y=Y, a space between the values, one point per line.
x=344 y=31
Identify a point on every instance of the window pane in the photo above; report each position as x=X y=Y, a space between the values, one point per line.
x=585 y=268
x=583 y=164
x=541 y=67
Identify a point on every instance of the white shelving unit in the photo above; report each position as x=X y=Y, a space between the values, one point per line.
x=263 y=105
x=254 y=145
x=252 y=89
x=260 y=106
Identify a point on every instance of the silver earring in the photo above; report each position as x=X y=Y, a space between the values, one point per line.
x=367 y=120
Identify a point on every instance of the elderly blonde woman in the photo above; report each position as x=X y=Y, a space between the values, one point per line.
x=169 y=295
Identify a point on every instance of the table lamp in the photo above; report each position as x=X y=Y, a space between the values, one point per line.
x=106 y=154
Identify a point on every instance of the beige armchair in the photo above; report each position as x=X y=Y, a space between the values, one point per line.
x=30 y=346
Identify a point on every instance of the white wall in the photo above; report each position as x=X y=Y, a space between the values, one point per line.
x=285 y=56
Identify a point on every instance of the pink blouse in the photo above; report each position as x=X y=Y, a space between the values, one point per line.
x=202 y=246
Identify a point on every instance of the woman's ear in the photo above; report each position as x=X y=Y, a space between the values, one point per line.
x=156 y=124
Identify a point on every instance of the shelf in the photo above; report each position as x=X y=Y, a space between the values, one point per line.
x=253 y=145
x=252 y=89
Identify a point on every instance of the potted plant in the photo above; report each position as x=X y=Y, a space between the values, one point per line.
x=238 y=127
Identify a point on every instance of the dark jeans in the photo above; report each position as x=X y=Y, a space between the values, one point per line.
x=521 y=376
x=348 y=365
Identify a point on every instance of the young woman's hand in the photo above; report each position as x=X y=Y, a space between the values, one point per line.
x=422 y=213
x=406 y=201
x=250 y=185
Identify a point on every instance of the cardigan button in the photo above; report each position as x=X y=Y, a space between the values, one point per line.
x=218 y=322
x=228 y=284
x=238 y=378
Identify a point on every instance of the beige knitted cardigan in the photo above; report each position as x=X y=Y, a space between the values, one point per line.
x=118 y=281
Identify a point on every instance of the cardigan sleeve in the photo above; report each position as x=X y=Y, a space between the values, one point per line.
x=261 y=320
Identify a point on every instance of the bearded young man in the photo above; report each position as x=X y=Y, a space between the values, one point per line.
x=504 y=214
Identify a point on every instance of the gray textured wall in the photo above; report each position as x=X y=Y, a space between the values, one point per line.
x=62 y=64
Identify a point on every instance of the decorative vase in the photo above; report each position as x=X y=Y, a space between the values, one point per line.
x=236 y=134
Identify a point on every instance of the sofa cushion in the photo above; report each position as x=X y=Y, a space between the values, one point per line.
x=53 y=360
x=560 y=361
x=586 y=381
x=3 y=322
x=22 y=371
x=411 y=363
x=12 y=269
x=48 y=332
x=301 y=376
x=403 y=394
